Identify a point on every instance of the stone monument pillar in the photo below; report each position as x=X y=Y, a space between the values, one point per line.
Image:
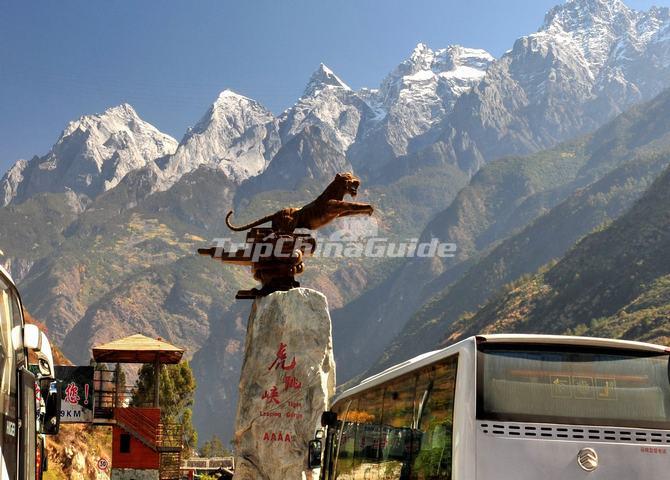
x=288 y=377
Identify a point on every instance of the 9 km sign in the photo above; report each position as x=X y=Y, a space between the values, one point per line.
x=77 y=394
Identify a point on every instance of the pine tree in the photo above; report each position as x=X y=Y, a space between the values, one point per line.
x=177 y=389
x=214 y=448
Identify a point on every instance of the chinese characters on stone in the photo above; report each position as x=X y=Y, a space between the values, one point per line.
x=280 y=359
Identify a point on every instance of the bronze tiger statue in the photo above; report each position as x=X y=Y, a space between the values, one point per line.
x=327 y=207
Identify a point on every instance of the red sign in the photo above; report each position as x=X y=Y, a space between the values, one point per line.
x=103 y=464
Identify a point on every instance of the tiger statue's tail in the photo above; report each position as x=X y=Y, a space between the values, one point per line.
x=242 y=228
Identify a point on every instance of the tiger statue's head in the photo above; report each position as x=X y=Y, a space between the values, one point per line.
x=346 y=183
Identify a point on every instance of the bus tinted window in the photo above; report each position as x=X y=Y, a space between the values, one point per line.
x=346 y=438
x=580 y=386
x=397 y=428
x=400 y=430
x=361 y=437
x=435 y=399
x=7 y=354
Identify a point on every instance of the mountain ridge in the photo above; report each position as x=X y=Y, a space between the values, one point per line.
x=429 y=145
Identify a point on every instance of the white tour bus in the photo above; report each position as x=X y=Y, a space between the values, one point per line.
x=25 y=414
x=507 y=407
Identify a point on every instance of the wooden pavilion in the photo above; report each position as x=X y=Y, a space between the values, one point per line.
x=143 y=445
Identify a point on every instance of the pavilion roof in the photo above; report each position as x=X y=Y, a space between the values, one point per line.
x=137 y=349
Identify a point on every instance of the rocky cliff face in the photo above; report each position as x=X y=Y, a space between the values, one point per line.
x=73 y=454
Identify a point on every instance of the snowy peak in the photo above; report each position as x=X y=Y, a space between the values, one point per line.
x=233 y=112
x=457 y=68
x=443 y=60
x=421 y=57
x=236 y=135
x=579 y=14
x=92 y=154
x=328 y=104
x=596 y=29
x=229 y=99
x=323 y=77
x=116 y=129
x=415 y=98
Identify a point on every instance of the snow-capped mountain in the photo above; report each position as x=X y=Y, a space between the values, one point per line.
x=588 y=62
x=433 y=75
x=322 y=78
x=330 y=105
x=419 y=93
x=237 y=135
x=612 y=41
x=91 y=156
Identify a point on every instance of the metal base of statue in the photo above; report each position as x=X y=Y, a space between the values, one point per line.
x=275 y=259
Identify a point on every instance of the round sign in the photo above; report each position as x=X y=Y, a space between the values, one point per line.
x=103 y=464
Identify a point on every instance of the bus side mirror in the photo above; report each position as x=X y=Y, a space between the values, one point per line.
x=314 y=455
x=32 y=338
x=51 y=424
x=315 y=450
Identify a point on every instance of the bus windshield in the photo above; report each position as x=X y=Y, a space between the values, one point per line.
x=573 y=385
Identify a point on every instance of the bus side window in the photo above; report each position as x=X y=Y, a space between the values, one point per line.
x=346 y=442
x=368 y=431
x=397 y=423
x=435 y=391
x=8 y=377
x=361 y=442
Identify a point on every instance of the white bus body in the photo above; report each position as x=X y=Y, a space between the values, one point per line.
x=23 y=414
x=508 y=407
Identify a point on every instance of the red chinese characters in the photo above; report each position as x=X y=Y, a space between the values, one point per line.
x=280 y=359
x=272 y=396
x=290 y=382
x=72 y=393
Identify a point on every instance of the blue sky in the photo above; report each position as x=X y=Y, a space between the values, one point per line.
x=170 y=58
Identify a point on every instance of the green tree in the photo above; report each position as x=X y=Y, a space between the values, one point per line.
x=214 y=448
x=177 y=388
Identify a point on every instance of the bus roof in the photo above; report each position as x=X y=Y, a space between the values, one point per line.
x=571 y=340
x=433 y=356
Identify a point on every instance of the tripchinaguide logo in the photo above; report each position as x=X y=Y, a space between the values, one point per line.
x=356 y=237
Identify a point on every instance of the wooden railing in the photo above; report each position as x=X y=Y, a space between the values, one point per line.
x=135 y=422
x=164 y=438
